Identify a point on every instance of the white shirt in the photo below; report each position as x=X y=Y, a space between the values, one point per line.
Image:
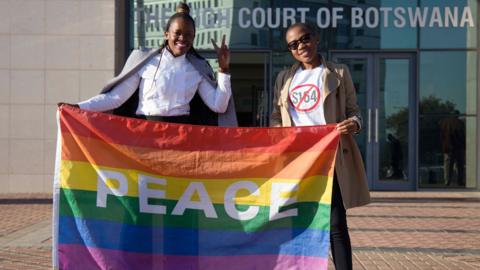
x=166 y=92
x=306 y=96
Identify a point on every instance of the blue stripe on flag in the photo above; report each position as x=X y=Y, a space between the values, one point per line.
x=185 y=241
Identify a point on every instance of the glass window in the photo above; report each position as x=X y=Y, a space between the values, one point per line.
x=277 y=34
x=273 y=17
x=376 y=24
x=444 y=158
x=253 y=39
x=358 y=70
x=456 y=27
x=373 y=25
x=393 y=99
x=447 y=119
x=450 y=78
x=280 y=61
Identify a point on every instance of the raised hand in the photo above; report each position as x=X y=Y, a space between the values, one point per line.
x=223 y=54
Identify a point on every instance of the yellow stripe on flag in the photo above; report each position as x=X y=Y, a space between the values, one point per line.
x=85 y=176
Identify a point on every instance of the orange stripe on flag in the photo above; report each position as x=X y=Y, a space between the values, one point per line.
x=199 y=164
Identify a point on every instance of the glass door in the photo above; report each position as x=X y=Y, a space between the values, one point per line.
x=385 y=86
x=250 y=75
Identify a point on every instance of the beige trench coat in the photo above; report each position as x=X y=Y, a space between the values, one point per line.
x=340 y=103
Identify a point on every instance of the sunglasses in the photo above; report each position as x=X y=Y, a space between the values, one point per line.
x=293 y=45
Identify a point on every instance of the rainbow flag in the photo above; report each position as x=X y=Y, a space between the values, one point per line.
x=135 y=194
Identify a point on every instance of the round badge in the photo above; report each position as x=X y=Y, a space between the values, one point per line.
x=305 y=97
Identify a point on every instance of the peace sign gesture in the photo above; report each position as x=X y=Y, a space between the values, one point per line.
x=223 y=54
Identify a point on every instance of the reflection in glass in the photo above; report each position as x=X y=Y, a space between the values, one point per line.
x=448 y=94
x=213 y=19
x=393 y=119
x=281 y=61
x=382 y=36
x=449 y=77
x=261 y=24
x=444 y=158
x=246 y=24
x=461 y=29
x=453 y=147
x=278 y=33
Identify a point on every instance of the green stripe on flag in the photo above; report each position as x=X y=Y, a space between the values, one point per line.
x=80 y=203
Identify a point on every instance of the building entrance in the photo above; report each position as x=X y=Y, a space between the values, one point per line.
x=250 y=78
x=385 y=84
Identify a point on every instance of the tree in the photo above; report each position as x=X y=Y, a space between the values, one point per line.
x=432 y=110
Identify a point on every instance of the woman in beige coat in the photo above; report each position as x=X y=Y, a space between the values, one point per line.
x=314 y=92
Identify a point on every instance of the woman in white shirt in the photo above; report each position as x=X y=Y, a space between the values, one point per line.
x=168 y=78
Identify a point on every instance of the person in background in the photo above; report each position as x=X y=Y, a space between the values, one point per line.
x=396 y=157
x=163 y=84
x=316 y=92
x=453 y=146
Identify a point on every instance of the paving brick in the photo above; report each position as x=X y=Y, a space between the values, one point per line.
x=398 y=230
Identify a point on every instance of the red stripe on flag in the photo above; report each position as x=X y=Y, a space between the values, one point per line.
x=135 y=132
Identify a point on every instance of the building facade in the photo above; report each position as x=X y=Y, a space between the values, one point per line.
x=50 y=51
x=414 y=64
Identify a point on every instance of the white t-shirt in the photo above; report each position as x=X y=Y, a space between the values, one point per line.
x=306 y=96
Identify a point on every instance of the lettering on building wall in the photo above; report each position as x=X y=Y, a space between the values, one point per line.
x=155 y=17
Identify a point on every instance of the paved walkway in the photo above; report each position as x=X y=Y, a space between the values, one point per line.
x=399 y=230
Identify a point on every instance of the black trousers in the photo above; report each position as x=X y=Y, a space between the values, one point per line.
x=339 y=238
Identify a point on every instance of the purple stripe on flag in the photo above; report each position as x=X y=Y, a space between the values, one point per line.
x=82 y=257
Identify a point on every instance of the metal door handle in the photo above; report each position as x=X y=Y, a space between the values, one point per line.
x=369 y=128
x=376 y=125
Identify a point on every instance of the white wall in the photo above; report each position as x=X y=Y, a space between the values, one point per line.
x=50 y=51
